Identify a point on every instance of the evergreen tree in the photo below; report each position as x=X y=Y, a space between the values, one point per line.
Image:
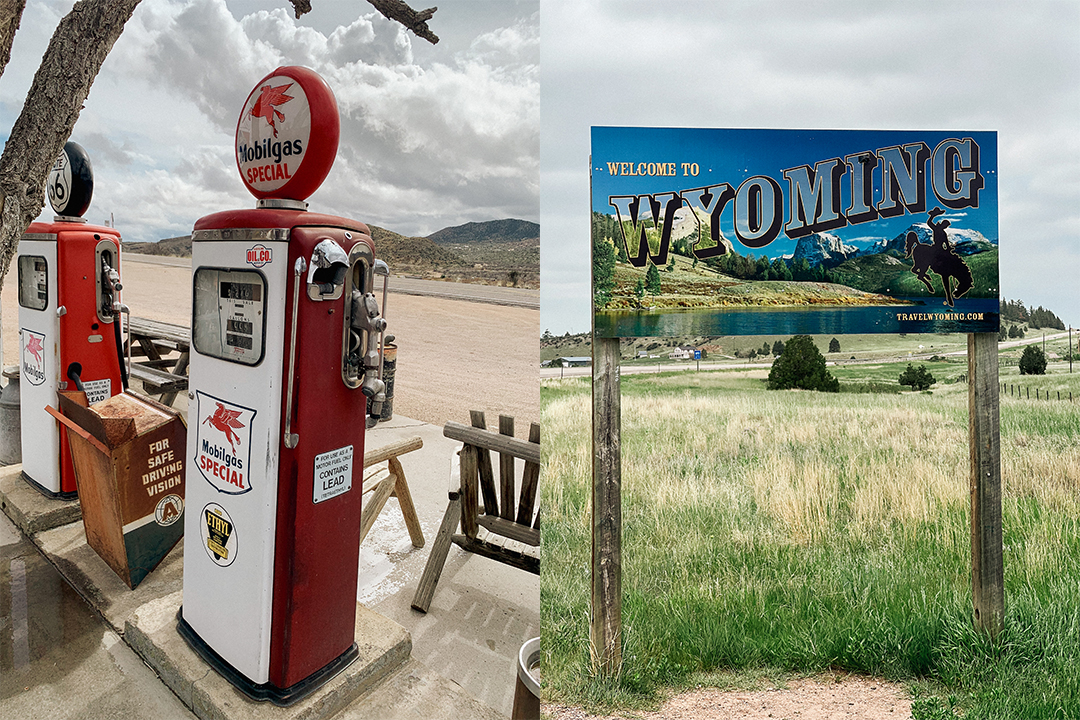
x=603 y=270
x=778 y=348
x=652 y=280
x=620 y=249
x=1002 y=334
x=918 y=378
x=801 y=366
x=834 y=346
x=800 y=271
x=1033 y=361
x=639 y=289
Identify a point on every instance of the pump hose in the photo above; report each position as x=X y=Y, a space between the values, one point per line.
x=74 y=373
x=120 y=350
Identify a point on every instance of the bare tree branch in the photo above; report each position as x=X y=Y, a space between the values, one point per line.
x=10 y=15
x=415 y=21
x=396 y=10
x=301 y=7
x=62 y=83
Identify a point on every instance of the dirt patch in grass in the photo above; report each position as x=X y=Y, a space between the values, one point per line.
x=818 y=698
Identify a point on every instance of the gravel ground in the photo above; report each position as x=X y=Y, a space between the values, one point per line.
x=821 y=698
x=453 y=356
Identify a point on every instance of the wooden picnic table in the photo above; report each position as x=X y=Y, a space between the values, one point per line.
x=155 y=341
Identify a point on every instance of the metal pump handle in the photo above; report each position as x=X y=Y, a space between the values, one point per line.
x=291 y=439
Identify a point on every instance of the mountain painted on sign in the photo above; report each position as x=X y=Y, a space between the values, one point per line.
x=823 y=269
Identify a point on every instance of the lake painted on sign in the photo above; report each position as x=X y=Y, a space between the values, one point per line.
x=925 y=315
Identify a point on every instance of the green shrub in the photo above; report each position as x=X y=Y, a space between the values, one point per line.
x=1033 y=361
x=918 y=378
x=801 y=366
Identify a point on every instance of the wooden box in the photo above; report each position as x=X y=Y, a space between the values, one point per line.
x=128 y=453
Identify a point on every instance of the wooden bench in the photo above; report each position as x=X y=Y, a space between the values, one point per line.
x=154 y=340
x=159 y=382
x=389 y=481
x=495 y=521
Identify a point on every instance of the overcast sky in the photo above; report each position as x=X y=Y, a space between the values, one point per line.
x=431 y=136
x=944 y=65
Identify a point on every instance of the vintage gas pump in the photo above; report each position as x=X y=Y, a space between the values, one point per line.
x=285 y=330
x=69 y=319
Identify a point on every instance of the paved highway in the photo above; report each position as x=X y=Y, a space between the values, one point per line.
x=556 y=372
x=515 y=297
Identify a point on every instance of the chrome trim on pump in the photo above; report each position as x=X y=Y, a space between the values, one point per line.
x=241 y=235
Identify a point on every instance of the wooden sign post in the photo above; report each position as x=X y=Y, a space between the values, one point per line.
x=605 y=632
x=923 y=194
x=987 y=568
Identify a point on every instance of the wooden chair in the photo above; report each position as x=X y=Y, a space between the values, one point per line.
x=386 y=481
x=495 y=522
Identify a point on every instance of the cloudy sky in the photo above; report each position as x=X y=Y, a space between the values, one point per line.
x=946 y=65
x=432 y=136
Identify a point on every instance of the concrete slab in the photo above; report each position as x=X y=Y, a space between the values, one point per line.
x=482 y=611
x=416 y=693
x=58 y=660
x=465 y=646
x=383 y=644
x=66 y=546
x=31 y=511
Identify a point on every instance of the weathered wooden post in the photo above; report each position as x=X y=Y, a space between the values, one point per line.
x=605 y=625
x=987 y=567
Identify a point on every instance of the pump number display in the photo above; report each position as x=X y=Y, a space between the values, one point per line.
x=229 y=314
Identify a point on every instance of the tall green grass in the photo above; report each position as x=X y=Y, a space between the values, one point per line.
x=799 y=531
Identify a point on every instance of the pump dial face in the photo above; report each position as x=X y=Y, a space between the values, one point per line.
x=230 y=312
x=33 y=282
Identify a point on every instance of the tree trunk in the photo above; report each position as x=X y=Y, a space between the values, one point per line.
x=10 y=15
x=78 y=47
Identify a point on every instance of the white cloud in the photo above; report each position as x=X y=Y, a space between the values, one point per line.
x=423 y=145
x=838 y=64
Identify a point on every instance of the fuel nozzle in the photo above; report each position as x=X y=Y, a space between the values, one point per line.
x=366 y=318
x=111 y=280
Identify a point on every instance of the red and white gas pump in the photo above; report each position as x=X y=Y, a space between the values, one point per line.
x=284 y=352
x=69 y=319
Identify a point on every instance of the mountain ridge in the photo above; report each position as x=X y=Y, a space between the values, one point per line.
x=493 y=252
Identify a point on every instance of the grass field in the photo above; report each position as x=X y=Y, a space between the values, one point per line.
x=791 y=532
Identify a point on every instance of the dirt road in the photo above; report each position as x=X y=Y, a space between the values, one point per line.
x=453 y=356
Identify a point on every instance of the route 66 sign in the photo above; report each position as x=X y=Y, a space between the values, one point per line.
x=71 y=181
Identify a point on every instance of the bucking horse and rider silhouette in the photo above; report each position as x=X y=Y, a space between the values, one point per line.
x=940 y=258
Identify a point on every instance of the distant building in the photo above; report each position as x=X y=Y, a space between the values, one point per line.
x=578 y=361
x=683 y=352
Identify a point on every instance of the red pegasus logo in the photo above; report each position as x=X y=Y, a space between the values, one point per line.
x=226 y=421
x=34 y=347
x=269 y=99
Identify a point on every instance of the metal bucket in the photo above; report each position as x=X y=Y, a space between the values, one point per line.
x=389 y=369
x=10 y=419
x=527 y=689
